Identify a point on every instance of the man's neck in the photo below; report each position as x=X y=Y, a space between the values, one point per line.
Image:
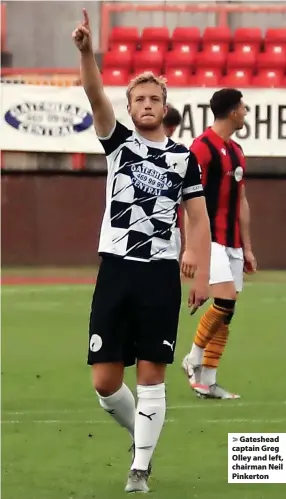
x=223 y=129
x=152 y=135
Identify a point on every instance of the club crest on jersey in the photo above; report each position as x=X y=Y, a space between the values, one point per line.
x=149 y=180
x=238 y=173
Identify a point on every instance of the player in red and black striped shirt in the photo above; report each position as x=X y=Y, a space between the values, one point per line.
x=223 y=166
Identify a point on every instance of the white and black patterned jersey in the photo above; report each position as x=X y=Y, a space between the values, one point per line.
x=145 y=184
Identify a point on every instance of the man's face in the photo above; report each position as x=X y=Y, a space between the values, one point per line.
x=238 y=116
x=146 y=106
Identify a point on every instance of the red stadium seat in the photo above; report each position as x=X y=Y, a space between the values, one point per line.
x=246 y=48
x=216 y=39
x=209 y=60
x=237 y=78
x=206 y=78
x=249 y=35
x=215 y=47
x=124 y=38
x=178 y=77
x=178 y=67
x=247 y=39
x=241 y=60
x=155 y=39
x=186 y=39
x=178 y=59
x=272 y=60
x=148 y=61
x=275 y=48
x=115 y=77
x=275 y=40
x=275 y=35
x=268 y=78
x=115 y=59
x=116 y=68
x=122 y=48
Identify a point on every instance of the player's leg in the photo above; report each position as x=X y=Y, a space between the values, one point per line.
x=200 y=370
x=106 y=352
x=158 y=299
x=216 y=346
x=214 y=349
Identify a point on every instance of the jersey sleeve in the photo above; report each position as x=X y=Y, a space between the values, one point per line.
x=202 y=152
x=117 y=136
x=192 y=186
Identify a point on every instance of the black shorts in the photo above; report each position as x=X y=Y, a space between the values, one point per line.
x=135 y=312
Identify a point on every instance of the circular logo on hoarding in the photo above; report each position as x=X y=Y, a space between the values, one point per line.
x=48 y=119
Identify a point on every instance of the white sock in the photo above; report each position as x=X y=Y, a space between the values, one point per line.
x=149 y=420
x=208 y=376
x=121 y=406
x=196 y=355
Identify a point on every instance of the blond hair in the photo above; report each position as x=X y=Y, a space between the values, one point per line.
x=148 y=77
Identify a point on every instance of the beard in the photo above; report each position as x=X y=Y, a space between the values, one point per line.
x=145 y=126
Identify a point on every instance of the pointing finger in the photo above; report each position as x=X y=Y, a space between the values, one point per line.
x=85 y=16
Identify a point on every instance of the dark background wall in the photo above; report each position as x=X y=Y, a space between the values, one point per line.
x=54 y=219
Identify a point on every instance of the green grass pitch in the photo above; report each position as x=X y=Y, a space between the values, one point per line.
x=58 y=444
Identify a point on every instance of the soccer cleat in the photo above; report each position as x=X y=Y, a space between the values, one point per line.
x=193 y=372
x=132 y=449
x=213 y=392
x=137 y=481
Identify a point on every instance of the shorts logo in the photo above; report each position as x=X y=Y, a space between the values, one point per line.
x=238 y=173
x=168 y=344
x=95 y=343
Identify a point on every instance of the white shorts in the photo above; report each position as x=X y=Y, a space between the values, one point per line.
x=226 y=265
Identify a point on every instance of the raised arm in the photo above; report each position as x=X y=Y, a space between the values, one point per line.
x=103 y=114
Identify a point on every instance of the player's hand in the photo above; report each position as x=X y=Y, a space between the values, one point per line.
x=250 y=264
x=82 y=34
x=199 y=294
x=188 y=264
